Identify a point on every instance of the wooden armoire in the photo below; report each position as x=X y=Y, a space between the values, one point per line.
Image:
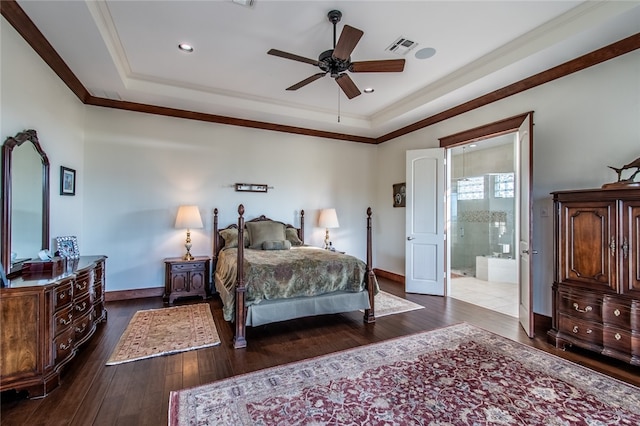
x=596 y=292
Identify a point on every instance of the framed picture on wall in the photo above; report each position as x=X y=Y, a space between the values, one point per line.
x=67 y=181
x=399 y=194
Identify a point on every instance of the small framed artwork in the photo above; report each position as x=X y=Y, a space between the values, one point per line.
x=251 y=187
x=67 y=181
x=68 y=247
x=399 y=194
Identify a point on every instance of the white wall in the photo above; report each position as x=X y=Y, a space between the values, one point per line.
x=584 y=122
x=141 y=167
x=33 y=97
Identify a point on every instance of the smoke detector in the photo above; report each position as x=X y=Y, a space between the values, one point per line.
x=401 y=46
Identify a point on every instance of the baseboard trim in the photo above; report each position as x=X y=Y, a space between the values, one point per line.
x=139 y=293
x=397 y=278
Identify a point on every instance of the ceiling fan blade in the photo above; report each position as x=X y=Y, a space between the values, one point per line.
x=286 y=55
x=347 y=42
x=391 y=65
x=348 y=86
x=307 y=81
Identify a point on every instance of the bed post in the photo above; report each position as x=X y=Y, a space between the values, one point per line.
x=215 y=238
x=301 y=226
x=369 y=314
x=239 y=340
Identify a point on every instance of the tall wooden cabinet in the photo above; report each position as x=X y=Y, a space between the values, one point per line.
x=44 y=321
x=596 y=293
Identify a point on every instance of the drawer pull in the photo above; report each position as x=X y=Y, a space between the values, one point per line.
x=62 y=295
x=612 y=246
x=81 y=308
x=64 y=321
x=65 y=347
x=80 y=330
x=617 y=336
x=577 y=308
x=616 y=312
x=589 y=331
x=575 y=328
x=81 y=286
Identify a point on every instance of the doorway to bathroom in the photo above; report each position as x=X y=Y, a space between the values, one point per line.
x=483 y=223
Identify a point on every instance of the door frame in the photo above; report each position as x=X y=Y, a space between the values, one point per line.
x=477 y=134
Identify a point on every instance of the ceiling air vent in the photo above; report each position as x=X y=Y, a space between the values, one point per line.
x=401 y=46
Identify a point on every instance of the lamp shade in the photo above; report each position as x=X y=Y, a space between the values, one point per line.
x=328 y=219
x=188 y=217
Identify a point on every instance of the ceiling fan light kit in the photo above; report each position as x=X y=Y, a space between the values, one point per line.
x=337 y=61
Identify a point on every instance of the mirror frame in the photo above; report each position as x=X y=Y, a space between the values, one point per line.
x=7 y=149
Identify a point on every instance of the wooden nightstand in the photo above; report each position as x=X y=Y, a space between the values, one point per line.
x=186 y=278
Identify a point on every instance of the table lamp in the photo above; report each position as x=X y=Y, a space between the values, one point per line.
x=188 y=217
x=328 y=219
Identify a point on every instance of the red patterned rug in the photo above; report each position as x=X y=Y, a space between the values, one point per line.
x=459 y=375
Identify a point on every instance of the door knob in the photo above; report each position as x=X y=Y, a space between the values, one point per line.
x=411 y=238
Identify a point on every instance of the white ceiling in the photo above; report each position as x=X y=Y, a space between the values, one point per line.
x=128 y=50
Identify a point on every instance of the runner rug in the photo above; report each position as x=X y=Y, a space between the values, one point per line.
x=156 y=332
x=388 y=304
x=459 y=375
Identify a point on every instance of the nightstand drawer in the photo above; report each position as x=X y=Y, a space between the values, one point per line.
x=184 y=267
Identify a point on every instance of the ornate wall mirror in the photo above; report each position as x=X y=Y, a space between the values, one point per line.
x=25 y=200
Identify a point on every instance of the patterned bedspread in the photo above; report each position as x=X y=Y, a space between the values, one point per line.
x=277 y=274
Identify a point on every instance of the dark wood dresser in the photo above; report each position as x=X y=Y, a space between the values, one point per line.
x=596 y=293
x=44 y=321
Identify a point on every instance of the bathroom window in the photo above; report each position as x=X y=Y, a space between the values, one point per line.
x=503 y=185
x=471 y=188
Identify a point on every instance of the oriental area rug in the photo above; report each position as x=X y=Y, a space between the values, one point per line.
x=387 y=304
x=156 y=332
x=458 y=375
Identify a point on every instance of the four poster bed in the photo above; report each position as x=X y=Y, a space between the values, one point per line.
x=272 y=276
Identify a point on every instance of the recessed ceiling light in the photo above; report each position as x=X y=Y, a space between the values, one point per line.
x=185 y=47
x=425 y=53
x=369 y=90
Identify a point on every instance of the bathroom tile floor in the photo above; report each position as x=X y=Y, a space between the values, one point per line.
x=500 y=297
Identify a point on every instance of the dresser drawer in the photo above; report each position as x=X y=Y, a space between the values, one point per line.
x=616 y=340
x=82 y=326
x=185 y=267
x=62 y=320
x=616 y=312
x=577 y=328
x=63 y=345
x=82 y=284
x=82 y=304
x=585 y=306
x=63 y=295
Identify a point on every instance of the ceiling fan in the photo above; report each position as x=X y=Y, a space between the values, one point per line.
x=337 y=60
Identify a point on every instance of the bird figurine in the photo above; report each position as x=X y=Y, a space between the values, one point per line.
x=634 y=164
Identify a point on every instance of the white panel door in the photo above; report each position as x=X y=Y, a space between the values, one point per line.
x=424 y=245
x=524 y=173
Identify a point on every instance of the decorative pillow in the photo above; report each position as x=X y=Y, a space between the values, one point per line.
x=276 y=245
x=292 y=236
x=230 y=237
x=259 y=232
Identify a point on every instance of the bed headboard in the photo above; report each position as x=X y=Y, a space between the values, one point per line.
x=218 y=241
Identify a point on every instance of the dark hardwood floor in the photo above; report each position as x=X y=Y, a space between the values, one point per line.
x=137 y=393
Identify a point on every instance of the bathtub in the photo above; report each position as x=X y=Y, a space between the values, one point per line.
x=498 y=269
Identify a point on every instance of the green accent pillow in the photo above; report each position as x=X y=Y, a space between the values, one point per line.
x=292 y=237
x=276 y=245
x=259 y=232
x=230 y=237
